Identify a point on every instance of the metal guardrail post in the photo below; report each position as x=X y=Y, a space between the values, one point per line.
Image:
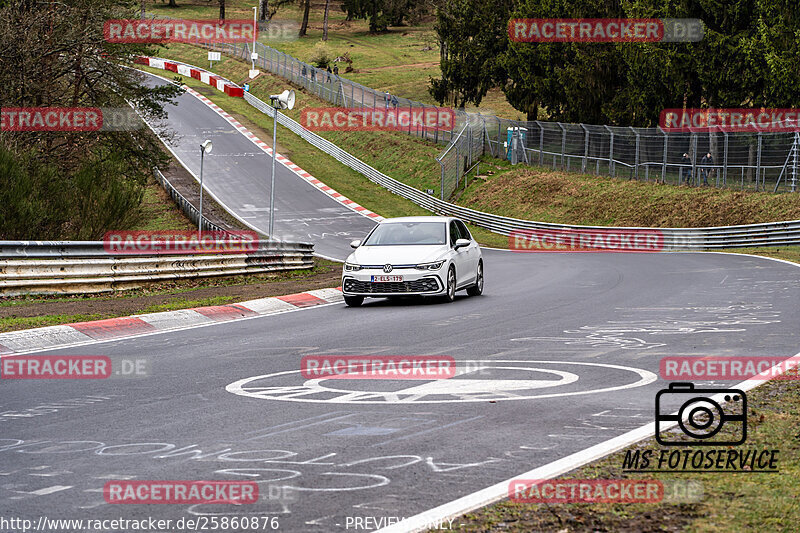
x=563 y=142
x=758 y=163
x=725 y=160
x=610 y=152
x=441 y=189
x=664 y=160
x=585 y=147
x=541 y=142
x=636 y=157
x=795 y=148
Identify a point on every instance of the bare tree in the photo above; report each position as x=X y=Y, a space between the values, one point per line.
x=264 y=8
x=221 y=9
x=304 y=26
x=325 y=21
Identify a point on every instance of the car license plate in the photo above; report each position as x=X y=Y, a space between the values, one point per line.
x=386 y=279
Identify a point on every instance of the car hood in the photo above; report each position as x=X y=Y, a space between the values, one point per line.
x=397 y=255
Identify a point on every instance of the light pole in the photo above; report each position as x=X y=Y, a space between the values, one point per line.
x=255 y=13
x=205 y=148
x=285 y=100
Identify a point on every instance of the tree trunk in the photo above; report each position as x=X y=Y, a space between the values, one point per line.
x=373 y=19
x=172 y=3
x=532 y=112
x=221 y=9
x=325 y=21
x=264 y=10
x=304 y=26
x=143 y=8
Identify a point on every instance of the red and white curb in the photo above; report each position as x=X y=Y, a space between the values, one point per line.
x=80 y=333
x=218 y=82
x=342 y=199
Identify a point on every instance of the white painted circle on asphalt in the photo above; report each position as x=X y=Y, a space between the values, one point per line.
x=462 y=388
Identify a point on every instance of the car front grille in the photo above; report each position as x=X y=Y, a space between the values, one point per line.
x=395 y=287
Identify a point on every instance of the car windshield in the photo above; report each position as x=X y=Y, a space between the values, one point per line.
x=400 y=233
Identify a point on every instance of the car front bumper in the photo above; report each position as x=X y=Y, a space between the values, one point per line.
x=415 y=283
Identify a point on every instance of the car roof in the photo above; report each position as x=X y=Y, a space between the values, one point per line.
x=417 y=219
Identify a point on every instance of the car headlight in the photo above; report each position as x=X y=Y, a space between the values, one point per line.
x=436 y=265
x=351 y=267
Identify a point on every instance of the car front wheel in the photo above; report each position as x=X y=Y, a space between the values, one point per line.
x=451 y=285
x=477 y=289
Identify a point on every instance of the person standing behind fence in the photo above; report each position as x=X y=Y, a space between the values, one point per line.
x=394 y=101
x=313 y=74
x=388 y=99
x=706 y=164
x=329 y=73
x=685 y=169
x=304 y=72
x=336 y=70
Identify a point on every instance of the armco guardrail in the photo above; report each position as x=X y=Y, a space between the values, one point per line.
x=72 y=267
x=768 y=234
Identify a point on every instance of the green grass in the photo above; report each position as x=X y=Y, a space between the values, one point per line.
x=787 y=253
x=17 y=323
x=158 y=212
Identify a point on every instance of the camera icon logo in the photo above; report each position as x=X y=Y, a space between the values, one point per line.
x=701 y=417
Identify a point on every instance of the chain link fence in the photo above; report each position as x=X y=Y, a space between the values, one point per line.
x=758 y=161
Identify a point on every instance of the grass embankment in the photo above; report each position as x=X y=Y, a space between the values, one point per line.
x=730 y=502
x=158 y=212
x=571 y=198
x=399 y=61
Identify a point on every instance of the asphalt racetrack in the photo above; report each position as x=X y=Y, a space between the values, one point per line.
x=560 y=353
x=237 y=173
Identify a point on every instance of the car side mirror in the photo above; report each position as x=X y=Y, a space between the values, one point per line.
x=461 y=243
x=355 y=244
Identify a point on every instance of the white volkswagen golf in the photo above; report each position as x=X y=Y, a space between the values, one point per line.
x=425 y=256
